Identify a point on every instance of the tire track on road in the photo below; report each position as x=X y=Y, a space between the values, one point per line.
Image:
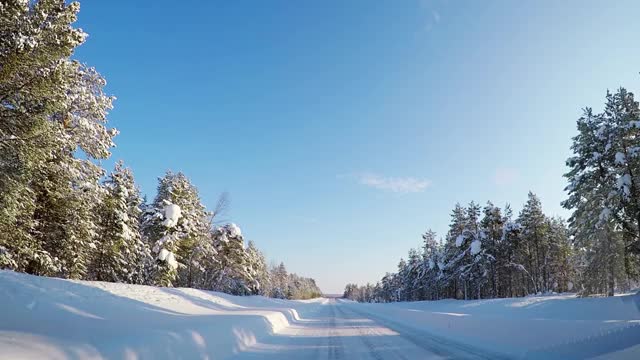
x=336 y=347
x=440 y=346
x=365 y=337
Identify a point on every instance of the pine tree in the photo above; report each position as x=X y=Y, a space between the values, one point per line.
x=595 y=193
x=462 y=262
x=279 y=277
x=622 y=120
x=301 y=288
x=492 y=225
x=233 y=273
x=560 y=251
x=412 y=275
x=514 y=274
x=534 y=237
x=401 y=285
x=177 y=227
x=52 y=107
x=453 y=253
x=121 y=255
x=430 y=279
x=259 y=270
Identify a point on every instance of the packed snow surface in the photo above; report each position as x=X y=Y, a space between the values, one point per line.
x=48 y=318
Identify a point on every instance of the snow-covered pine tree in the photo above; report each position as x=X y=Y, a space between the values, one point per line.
x=350 y=292
x=68 y=189
x=594 y=195
x=401 y=281
x=462 y=249
x=391 y=287
x=430 y=278
x=453 y=253
x=622 y=118
x=515 y=277
x=560 y=251
x=535 y=238
x=279 y=280
x=50 y=104
x=492 y=225
x=302 y=288
x=474 y=263
x=121 y=255
x=176 y=226
x=412 y=275
x=259 y=270
x=233 y=273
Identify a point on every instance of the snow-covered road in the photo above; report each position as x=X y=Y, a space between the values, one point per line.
x=48 y=318
x=333 y=329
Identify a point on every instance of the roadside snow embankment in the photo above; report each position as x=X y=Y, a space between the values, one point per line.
x=559 y=326
x=48 y=318
x=62 y=319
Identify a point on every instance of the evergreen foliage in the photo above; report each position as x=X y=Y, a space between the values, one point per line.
x=59 y=217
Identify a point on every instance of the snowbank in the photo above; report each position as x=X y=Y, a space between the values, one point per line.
x=48 y=318
x=559 y=326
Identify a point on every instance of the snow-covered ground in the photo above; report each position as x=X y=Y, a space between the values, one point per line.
x=47 y=318
x=559 y=326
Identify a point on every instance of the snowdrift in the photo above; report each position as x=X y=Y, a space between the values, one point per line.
x=538 y=327
x=49 y=318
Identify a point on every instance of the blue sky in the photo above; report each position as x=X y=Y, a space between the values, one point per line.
x=344 y=129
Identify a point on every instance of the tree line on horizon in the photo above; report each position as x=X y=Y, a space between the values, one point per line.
x=486 y=253
x=62 y=215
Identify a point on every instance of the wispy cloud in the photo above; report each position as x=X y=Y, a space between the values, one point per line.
x=431 y=13
x=436 y=16
x=504 y=176
x=308 y=220
x=394 y=184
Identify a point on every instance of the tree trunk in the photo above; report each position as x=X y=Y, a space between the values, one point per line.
x=538 y=266
x=611 y=282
